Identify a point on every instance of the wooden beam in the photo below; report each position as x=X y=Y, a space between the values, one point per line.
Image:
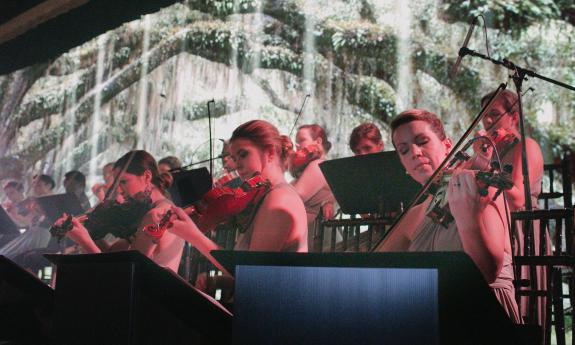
x=36 y=16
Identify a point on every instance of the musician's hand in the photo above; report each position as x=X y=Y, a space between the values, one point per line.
x=183 y=226
x=180 y=214
x=464 y=200
x=78 y=233
x=61 y=220
x=328 y=210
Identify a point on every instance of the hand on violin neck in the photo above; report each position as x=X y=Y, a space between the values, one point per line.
x=463 y=195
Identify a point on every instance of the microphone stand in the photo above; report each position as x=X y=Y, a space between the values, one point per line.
x=519 y=75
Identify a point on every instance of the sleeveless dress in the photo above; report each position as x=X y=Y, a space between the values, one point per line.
x=169 y=251
x=430 y=236
x=541 y=271
x=244 y=239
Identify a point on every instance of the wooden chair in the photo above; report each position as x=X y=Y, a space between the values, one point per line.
x=532 y=254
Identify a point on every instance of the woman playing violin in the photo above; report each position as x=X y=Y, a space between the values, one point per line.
x=310 y=183
x=138 y=175
x=278 y=222
x=365 y=139
x=504 y=115
x=478 y=228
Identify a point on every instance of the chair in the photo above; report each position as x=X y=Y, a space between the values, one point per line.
x=555 y=171
x=346 y=234
x=532 y=254
x=557 y=267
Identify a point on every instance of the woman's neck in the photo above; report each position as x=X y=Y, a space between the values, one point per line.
x=156 y=194
x=274 y=174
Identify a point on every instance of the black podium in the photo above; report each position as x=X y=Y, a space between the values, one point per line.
x=125 y=298
x=26 y=306
x=358 y=298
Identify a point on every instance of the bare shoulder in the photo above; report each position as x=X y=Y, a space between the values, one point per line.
x=533 y=146
x=284 y=197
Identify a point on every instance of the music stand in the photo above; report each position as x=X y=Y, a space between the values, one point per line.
x=373 y=183
x=7 y=225
x=189 y=186
x=54 y=206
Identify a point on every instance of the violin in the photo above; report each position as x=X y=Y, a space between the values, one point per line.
x=234 y=206
x=110 y=216
x=156 y=231
x=231 y=179
x=496 y=177
x=300 y=159
x=502 y=139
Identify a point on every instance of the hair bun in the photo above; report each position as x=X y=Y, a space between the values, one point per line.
x=286 y=147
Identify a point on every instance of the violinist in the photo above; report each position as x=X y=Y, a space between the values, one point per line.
x=278 y=223
x=365 y=139
x=138 y=174
x=37 y=235
x=478 y=228
x=309 y=181
x=99 y=189
x=169 y=163
x=504 y=116
x=15 y=207
x=75 y=183
x=229 y=175
x=228 y=163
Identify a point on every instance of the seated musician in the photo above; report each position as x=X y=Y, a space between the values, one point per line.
x=15 y=206
x=278 y=222
x=479 y=228
x=99 y=189
x=309 y=181
x=365 y=139
x=140 y=177
x=37 y=235
x=504 y=116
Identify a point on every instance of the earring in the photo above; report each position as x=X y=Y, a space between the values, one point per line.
x=148 y=189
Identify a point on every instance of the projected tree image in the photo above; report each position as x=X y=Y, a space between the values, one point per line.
x=147 y=83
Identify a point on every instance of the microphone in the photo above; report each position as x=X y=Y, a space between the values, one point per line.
x=462 y=51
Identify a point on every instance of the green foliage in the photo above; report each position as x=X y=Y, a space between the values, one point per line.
x=375 y=96
x=506 y=15
x=280 y=58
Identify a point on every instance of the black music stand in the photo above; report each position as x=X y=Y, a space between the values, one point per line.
x=26 y=306
x=126 y=298
x=54 y=206
x=8 y=229
x=189 y=186
x=339 y=298
x=7 y=225
x=373 y=183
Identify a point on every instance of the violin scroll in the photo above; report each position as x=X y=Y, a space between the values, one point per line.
x=496 y=177
x=156 y=231
x=299 y=160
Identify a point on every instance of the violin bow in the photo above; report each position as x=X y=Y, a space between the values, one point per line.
x=299 y=114
x=442 y=166
x=210 y=138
